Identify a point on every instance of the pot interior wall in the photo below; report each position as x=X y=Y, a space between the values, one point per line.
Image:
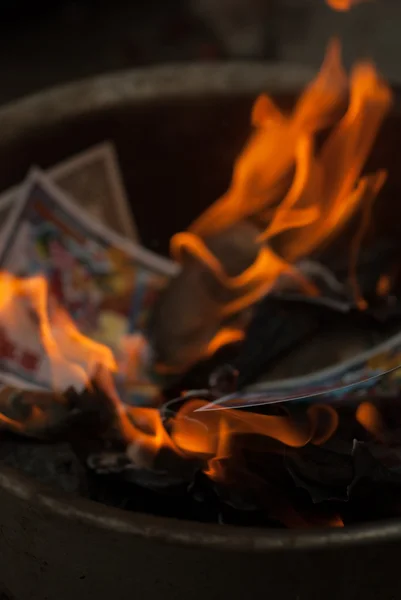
x=176 y=155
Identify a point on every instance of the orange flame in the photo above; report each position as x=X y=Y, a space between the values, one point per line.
x=25 y=310
x=211 y=435
x=214 y=439
x=368 y=415
x=299 y=212
x=343 y=5
x=225 y=336
x=261 y=172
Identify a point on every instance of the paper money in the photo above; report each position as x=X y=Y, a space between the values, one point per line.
x=107 y=284
x=93 y=181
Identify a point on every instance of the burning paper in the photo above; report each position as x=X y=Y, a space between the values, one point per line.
x=289 y=196
x=102 y=283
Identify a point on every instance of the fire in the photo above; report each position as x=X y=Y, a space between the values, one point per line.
x=368 y=415
x=225 y=336
x=301 y=193
x=210 y=434
x=216 y=435
x=60 y=352
x=343 y=5
x=214 y=440
x=76 y=360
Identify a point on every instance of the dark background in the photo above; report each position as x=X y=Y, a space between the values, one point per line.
x=44 y=42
